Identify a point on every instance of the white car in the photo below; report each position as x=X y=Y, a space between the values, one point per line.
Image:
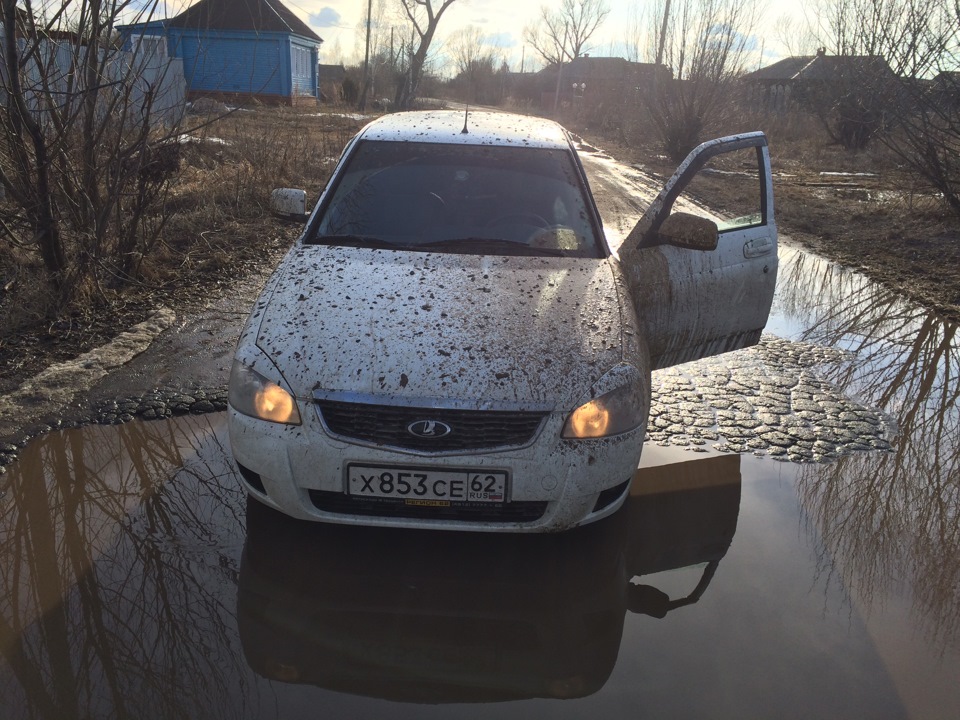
x=452 y=344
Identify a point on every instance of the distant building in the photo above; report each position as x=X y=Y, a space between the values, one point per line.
x=148 y=82
x=238 y=51
x=592 y=80
x=798 y=78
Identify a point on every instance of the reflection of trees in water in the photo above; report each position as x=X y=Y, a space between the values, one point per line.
x=893 y=517
x=119 y=550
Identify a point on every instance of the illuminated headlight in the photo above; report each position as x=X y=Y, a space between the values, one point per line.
x=612 y=413
x=254 y=395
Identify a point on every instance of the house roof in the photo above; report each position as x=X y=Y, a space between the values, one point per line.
x=820 y=68
x=785 y=69
x=252 y=15
x=602 y=68
x=831 y=67
x=40 y=28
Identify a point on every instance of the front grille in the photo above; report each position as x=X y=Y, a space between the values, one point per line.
x=343 y=504
x=470 y=429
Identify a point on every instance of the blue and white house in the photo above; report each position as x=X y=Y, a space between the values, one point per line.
x=238 y=50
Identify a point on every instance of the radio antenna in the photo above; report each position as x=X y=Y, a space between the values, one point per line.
x=466 y=114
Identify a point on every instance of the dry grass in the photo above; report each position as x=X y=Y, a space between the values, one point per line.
x=217 y=226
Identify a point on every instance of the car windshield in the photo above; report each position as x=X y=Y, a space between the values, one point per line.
x=460 y=198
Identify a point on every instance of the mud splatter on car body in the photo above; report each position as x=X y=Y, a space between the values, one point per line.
x=452 y=343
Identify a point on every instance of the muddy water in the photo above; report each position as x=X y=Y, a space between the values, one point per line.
x=135 y=581
x=138 y=584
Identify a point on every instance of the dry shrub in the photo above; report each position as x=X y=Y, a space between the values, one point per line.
x=24 y=294
x=215 y=224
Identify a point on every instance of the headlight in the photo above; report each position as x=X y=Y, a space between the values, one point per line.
x=254 y=395
x=613 y=413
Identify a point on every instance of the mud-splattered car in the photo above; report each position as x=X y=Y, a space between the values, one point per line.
x=451 y=343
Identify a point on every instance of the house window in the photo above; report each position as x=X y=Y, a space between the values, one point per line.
x=301 y=61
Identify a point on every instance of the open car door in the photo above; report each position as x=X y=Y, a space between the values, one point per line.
x=702 y=285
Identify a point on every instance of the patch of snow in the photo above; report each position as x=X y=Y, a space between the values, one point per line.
x=190 y=140
x=348 y=116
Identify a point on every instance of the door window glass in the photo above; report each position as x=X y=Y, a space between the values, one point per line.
x=727 y=189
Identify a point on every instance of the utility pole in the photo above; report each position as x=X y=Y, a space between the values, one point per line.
x=362 y=104
x=563 y=55
x=663 y=32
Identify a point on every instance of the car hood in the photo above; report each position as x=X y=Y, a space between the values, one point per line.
x=469 y=328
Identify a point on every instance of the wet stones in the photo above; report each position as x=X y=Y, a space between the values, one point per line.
x=766 y=400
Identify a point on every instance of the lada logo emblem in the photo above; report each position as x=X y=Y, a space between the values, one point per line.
x=429 y=429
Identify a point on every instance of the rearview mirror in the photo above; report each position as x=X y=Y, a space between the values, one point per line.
x=289 y=204
x=688 y=231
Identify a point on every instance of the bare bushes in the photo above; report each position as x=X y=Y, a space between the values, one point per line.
x=211 y=218
x=914 y=107
x=704 y=44
x=86 y=148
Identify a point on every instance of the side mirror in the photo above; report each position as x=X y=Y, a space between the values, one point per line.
x=688 y=231
x=289 y=204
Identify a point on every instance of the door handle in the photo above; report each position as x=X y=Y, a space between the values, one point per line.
x=757 y=247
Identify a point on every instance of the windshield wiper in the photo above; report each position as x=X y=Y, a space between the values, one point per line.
x=483 y=243
x=367 y=241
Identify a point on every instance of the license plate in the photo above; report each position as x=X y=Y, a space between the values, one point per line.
x=427 y=486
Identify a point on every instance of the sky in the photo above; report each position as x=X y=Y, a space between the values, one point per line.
x=502 y=23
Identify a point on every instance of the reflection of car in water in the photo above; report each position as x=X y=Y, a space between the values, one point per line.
x=417 y=617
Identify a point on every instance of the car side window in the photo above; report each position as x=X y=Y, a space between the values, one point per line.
x=729 y=184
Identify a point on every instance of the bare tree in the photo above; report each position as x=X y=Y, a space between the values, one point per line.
x=704 y=43
x=794 y=35
x=916 y=102
x=424 y=19
x=635 y=38
x=84 y=151
x=562 y=34
x=477 y=64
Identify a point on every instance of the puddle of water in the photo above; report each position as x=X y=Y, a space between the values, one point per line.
x=119 y=549
x=137 y=583
x=890 y=522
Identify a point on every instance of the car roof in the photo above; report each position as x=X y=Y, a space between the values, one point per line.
x=483 y=128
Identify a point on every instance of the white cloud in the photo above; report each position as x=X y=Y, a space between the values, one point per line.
x=327 y=17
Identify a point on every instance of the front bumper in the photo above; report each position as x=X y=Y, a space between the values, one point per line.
x=554 y=484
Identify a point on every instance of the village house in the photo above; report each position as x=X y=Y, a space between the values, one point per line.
x=804 y=78
x=590 y=80
x=255 y=50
